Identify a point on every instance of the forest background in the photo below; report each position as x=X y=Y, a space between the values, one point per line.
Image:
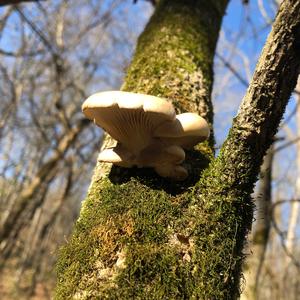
x=54 y=54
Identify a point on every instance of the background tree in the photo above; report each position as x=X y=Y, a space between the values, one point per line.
x=260 y=236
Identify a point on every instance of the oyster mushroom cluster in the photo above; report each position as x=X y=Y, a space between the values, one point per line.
x=148 y=131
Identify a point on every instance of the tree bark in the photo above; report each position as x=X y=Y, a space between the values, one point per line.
x=140 y=236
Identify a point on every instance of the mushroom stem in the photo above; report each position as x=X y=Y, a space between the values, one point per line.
x=175 y=172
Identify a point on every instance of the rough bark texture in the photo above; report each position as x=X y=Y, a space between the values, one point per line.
x=140 y=236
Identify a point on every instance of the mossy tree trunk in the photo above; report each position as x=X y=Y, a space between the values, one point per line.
x=141 y=236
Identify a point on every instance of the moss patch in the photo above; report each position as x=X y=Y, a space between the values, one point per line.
x=113 y=220
x=174 y=55
x=219 y=217
x=185 y=246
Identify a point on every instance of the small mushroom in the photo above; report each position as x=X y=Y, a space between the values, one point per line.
x=165 y=160
x=187 y=130
x=118 y=156
x=159 y=153
x=147 y=130
x=175 y=172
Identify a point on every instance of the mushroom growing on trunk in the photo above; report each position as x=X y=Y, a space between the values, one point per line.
x=148 y=132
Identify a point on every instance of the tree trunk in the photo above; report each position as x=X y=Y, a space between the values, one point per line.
x=295 y=206
x=140 y=236
x=29 y=200
x=258 y=245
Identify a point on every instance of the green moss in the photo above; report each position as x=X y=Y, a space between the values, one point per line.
x=112 y=219
x=219 y=217
x=154 y=273
x=141 y=221
x=174 y=56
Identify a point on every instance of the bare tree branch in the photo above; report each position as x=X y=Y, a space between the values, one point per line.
x=229 y=180
x=242 y=80
x=11 y=2
x=274 y=80
x=281 y=233
x=28 y=192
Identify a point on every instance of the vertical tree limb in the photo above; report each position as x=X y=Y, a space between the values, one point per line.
x=295 y=206
x=126 y=244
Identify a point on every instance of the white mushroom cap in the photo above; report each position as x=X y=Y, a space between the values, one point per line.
x=187 y=130
x=128 y=117
x=147 y=130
